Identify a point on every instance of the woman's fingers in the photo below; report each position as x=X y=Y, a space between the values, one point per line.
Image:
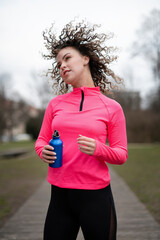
x=49 y=156
x=86 y=145
x=86 y=141
x=49 y=153
x=86 y=150
x=48 y=147
x=46 y=161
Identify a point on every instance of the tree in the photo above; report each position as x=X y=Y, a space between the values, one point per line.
x=4 y=81
x=152 y=99
x=12 y=112
x=40 y=87
x=33 y=125
x=129 y=100
x=16 y=112
x=148 y=45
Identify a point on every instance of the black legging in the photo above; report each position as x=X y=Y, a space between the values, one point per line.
x=70 y=209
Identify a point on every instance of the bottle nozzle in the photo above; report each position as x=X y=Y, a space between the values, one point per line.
x=56 y=133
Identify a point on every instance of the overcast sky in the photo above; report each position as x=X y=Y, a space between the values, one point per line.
x=22 y=23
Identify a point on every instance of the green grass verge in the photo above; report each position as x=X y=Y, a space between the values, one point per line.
x=142 y=173
x=13 y=145
x=19 y=178
x=4 y=206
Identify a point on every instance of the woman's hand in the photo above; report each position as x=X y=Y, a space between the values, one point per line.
x=48 y=155
x=86 y=145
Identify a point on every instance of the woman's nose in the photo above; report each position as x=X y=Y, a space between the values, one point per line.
x=63 y=66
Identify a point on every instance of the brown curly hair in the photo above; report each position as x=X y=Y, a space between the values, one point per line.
x=82 y=37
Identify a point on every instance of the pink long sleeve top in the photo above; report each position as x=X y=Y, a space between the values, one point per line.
x=84 y=111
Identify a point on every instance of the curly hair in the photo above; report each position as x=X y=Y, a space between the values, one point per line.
x=83 y=38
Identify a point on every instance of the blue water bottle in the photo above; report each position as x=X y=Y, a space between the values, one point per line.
x=57 y=143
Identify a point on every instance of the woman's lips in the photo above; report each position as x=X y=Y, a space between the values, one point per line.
x=65 y=72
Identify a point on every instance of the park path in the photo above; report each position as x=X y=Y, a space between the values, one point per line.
x=134 y=221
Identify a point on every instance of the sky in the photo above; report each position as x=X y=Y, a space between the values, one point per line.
x=22 y=23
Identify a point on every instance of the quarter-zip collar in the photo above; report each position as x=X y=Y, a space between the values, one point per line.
x=85 y=91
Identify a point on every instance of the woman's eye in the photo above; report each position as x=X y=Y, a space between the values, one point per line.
x=67 y=57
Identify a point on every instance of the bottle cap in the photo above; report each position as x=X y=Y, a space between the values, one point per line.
x=56 y=133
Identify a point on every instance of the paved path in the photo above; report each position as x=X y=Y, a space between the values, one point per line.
x=134 y=221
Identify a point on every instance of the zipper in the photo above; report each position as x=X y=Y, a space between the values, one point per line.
x=82 y=100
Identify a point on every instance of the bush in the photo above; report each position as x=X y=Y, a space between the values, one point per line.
x=33 y=125
x=143 y=126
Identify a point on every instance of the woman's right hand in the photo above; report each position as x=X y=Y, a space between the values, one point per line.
x=49 y=156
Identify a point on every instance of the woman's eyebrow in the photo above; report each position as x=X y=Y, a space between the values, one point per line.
x=65 y=55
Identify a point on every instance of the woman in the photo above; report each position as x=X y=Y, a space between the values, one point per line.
x=80 y=190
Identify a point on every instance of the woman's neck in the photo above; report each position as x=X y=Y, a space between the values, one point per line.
x=87 y=81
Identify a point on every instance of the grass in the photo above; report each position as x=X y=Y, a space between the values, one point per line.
x=5 y=208
x=142 y=173
x=13 y=145
x=19 y=178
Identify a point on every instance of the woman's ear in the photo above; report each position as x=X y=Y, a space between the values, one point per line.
x=86 y=60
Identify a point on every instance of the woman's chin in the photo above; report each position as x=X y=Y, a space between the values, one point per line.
x=69 y=81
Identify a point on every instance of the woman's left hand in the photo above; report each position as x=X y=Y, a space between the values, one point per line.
x=86 y=145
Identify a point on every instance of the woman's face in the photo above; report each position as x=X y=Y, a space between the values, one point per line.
x=72 y=65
